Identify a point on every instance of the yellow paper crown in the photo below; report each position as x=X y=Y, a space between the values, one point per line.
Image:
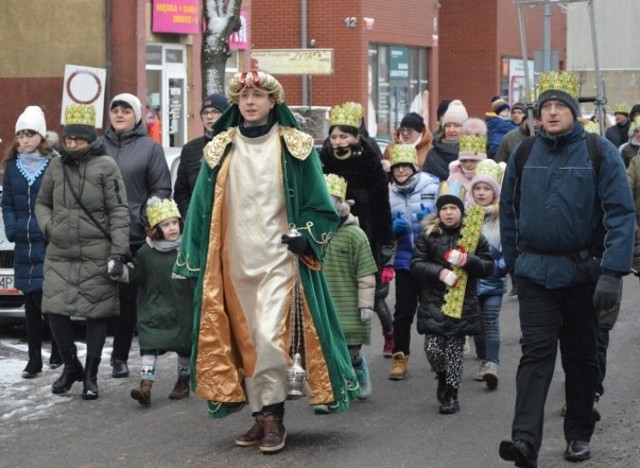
x=403 y=154
x=635 y=124
x=158 y=210
x=473 y=144
x=337 y=185
x=621 y=108
x=561 y=81
x=80 y=114
x=349 y=113
x=490 y=168
x=590 y=126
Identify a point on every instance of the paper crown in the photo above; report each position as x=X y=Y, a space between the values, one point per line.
x=561 y=81
x=473 y=144
x=590 y=126
x=406 y=154
x=80 y=114
x=451 y=189
x=621 y=108
x=337 y=186
x=349 y=113
x=160 y=209
x=490 y=168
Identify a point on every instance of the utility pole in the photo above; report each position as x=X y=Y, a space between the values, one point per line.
x=546 y=53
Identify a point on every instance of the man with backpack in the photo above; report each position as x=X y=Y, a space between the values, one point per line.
x=567 y=226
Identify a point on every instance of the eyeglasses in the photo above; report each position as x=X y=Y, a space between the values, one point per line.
x=25 y=134
x=74 y=139
x=210 y=113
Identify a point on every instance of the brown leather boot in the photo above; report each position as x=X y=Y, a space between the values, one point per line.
x=254 y=435
x=274 y=434
x=180 y=390
x=143 y=392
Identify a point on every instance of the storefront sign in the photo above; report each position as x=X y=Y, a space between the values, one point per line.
x=398 y=63
x=84 y=85
x=294 y=61
x=176 y=16
x=241 y=39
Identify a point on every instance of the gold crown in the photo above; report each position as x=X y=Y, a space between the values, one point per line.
x=349 y=113
x=158 y=210
x=488 y=167
x=621 y=108
x=406 y=154
x=337 y=186
x=80 y=114
x=561 y=81
x=473 y=144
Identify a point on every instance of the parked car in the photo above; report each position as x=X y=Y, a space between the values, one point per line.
x=11 y=300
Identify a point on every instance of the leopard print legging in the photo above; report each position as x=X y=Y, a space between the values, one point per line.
x=446 y=354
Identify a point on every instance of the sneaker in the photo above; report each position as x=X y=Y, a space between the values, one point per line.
x=254 y=435
x=275 y=434
x=479 y=377
x=362 y=373
x=491 y=375
x=387 y=350
x=400 y=367
x=320 y=409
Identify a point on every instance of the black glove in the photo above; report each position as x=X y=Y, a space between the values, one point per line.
x=607 y=292
x=385 y=254
x=115 y=267
x=296 y=244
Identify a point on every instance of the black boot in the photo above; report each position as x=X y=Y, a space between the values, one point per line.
x=71 y=373
x=442 y=386
x=450 y=403
x=120 y=369
x=34 y=366
x=55 y=360
x=90 y=387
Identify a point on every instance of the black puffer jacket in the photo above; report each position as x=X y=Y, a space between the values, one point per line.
x=188 y=170
x=438 y=159
x=426 y=265
x=144 y=169
x=368 y=186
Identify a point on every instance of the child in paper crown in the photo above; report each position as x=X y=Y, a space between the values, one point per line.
x=349 y=268
x=165 y=317
x=412 y=196
x=485 y=189
x=447 y=271
x=472 y=150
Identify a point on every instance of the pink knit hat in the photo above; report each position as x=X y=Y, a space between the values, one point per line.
x=456 y=113
x=474 y=126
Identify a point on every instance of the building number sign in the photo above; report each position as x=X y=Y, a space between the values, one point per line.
x=351 y=22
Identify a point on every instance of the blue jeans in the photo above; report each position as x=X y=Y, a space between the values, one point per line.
x=488 y=343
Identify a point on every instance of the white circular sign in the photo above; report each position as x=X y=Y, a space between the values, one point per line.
x=84 y=87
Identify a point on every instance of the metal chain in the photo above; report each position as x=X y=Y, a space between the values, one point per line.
x=296 y=324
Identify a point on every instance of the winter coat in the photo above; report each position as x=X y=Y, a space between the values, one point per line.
x=426 y=265
x=349 y=268
x=145 y=172
x=633 y=177
x=413 y=206
x=618 y=134
x=494 y=284
x=562 y=207
x=497 y=128
x=439 y=158
x=629 y=150
x=75 y=269
x=368 y=186
x=188 y=169
x=422 y=148
x=21 y=226
x=165 y=301
x=509 y=143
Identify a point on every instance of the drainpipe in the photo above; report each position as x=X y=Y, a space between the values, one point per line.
x=303 y=29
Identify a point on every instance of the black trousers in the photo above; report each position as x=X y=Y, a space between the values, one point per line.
x=407 y=291
x=35 y=324
x=63 y=332
x=124 y=325
x=547 y=316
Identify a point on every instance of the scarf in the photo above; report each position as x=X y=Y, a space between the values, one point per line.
x=162 y=245
x=409 y=184
x=31 y=166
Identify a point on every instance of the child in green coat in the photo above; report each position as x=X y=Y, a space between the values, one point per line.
x=165 y=316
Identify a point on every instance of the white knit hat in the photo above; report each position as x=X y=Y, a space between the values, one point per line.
x=129 y=100
x=32 y=119
x=456 y=113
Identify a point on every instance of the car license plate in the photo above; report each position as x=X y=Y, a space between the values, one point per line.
x=7 y=286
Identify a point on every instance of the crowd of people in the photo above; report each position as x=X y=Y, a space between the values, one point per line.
x=264 y=270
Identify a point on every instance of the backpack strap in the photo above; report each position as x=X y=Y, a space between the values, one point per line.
x=594 y=146
x=522 y=154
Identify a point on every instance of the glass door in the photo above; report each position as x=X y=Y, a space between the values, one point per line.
x=176 y=115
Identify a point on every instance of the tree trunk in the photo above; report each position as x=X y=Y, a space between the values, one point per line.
x=221 y=18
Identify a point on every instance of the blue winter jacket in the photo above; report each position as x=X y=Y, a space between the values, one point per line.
x=413 y=206
x=495 y=284
x=21 y=226
x=497 y=128
x=562 y=207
